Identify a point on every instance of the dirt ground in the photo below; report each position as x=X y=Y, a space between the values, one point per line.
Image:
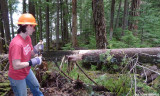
x=57 y=85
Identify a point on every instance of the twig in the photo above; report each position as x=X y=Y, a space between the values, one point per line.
x=63 y=72
x=145 y=75
x=131 y=85
x=86 y=74
x=135 y=88
x=62 y=62
x=134 y=64
x=57 y=81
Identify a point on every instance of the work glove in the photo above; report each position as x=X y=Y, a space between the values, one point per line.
x=35 y=61
x=39 y=47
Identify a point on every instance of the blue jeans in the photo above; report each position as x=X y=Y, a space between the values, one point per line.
x=19 y=87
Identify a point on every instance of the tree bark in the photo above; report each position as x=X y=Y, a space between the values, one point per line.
x=47 y=26
x=112 y=19
x=3 y=48
x=32 y=11
x=5 y=18
x=99 y=23
x=118 y=13
x=135 y=6
x=24 y=6
x=124 y=26
x=146 y=55
x=11 y=19
x=40 y=21
x=65 y=37
x=74 y=24
x=57 y=26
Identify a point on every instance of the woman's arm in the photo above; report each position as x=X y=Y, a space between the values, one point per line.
x=17 y=64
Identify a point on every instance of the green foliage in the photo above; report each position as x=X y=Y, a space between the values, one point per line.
x=146 y=88
x=93 y=67
x=68 y=46
x=109 y=63
x=91 y=40
x=130 y=40
x=118 y=84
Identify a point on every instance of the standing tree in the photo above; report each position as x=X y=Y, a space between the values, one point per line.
x=47 y=25
x=125 y=17
x=11 y=19
x=112 y=19
x=5 y=18
x=99 y=23
x=40 y=20
x=32 y=11
x=57 y=26
x=134 y=14
x=74 y=23
x=118 y=13
x=2 y=40
x=24 y=6
x=65 y=35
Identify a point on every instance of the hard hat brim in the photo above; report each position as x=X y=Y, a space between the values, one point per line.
x=28 y=23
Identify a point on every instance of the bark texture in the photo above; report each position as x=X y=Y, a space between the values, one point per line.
x=99 y=23
x=149 y=55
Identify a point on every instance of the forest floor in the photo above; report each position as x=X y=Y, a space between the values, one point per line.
x=54 y=83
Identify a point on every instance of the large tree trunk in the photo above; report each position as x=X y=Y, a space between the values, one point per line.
x=99 y=23
x=74 y=24
x=146 y=55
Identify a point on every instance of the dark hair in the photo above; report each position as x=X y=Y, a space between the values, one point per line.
x=22 y=28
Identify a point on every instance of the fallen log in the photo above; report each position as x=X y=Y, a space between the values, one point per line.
x=149 y=55
x=145 y=55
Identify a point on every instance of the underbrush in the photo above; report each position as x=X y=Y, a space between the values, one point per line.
x=126 y=84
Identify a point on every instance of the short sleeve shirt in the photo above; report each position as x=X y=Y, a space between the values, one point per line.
x=19 y=48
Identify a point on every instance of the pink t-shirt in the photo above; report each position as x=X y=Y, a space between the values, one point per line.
x=19 y=48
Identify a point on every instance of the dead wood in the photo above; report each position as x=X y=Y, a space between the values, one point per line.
x=149 y=55
x=152 y=78
x=148 y=72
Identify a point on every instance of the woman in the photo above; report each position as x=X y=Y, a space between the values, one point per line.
x=20 y=51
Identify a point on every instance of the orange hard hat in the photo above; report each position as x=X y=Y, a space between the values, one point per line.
x=27 y=18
